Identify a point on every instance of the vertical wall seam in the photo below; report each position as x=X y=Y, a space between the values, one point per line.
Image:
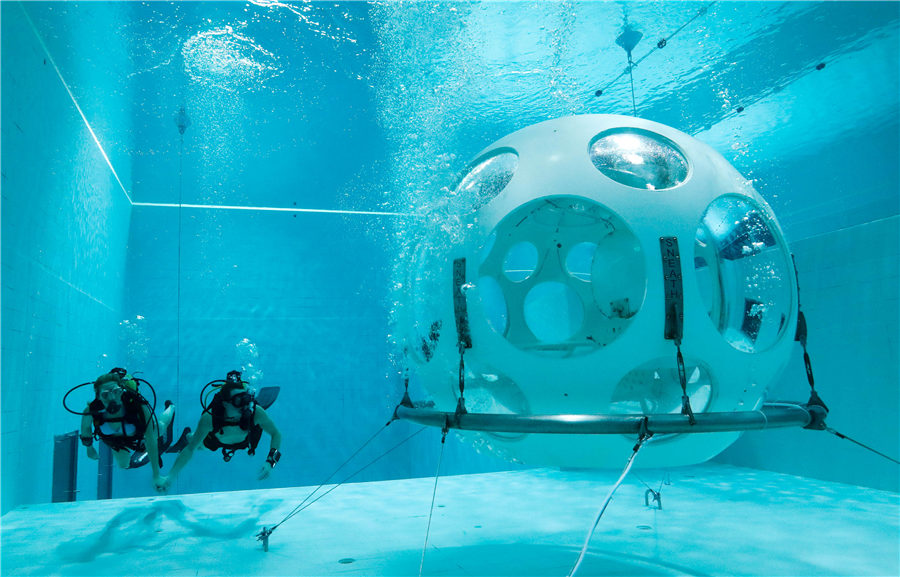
x=75 y=102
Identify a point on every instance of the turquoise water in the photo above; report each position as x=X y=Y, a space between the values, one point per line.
x=273 y=232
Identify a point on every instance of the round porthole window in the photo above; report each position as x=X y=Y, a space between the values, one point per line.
x=486 y=179
x=520 y=261
x=639 y=159
x=743 y=272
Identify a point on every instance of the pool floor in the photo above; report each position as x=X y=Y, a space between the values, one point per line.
x=710 y=519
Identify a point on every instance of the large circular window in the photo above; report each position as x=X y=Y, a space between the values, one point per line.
x=560 y=276
x=639 y=158
x=743 y=273
x=486 y=179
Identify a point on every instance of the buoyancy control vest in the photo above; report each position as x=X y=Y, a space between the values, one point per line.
x=133 y=422
x=245 y=422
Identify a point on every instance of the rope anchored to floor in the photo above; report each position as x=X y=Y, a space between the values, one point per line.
x=642 y=438
x=437 y=474
x=264 y=534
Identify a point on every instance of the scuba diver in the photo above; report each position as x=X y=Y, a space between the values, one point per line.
x=123 y=419
x=234 y=420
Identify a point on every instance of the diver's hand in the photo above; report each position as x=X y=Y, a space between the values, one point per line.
x=162 y=483
x=92 y=453
x=265 y=471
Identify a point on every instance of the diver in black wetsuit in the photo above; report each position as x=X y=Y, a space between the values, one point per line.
x=233 y=421
x=120 y=417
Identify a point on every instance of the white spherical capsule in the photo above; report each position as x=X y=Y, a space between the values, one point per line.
x=561 y=226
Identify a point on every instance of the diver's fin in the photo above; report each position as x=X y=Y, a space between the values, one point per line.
x=142 y=458
x=266 y=396
x=139 y=459
x=181 y=442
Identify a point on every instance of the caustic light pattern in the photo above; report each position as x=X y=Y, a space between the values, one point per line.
x=560 y=226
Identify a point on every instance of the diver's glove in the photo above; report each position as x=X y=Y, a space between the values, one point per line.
x=92 y=453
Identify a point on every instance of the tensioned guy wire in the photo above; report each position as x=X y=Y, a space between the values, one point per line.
x=845 y=437
x=659 y=45
x=300 y=507
x=306 y=503
x=437 y=474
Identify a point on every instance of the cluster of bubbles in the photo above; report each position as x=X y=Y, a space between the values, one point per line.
x=415 y=236
x=225 y=59
x=248 y=359
x=134 y=342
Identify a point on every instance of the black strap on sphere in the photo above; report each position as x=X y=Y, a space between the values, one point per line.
x=682 y=378
x=459 y=304
x=672 y=288
x=801 y=338
x=817 y=409
x=801 y=334
x=461 y=403
x=406 y=401
x=674 y=303
x=820 y=410
x=464 y=337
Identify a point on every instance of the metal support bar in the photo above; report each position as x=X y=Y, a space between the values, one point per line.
x=768 y=417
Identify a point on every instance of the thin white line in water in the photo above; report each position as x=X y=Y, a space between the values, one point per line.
x=272 y=209
x=56 y=275
x=75 y=102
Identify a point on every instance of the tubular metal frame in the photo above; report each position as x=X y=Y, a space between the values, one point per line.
x=769 y=416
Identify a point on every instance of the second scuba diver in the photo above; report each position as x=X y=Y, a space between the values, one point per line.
x=233 y=421
x=121 y=417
